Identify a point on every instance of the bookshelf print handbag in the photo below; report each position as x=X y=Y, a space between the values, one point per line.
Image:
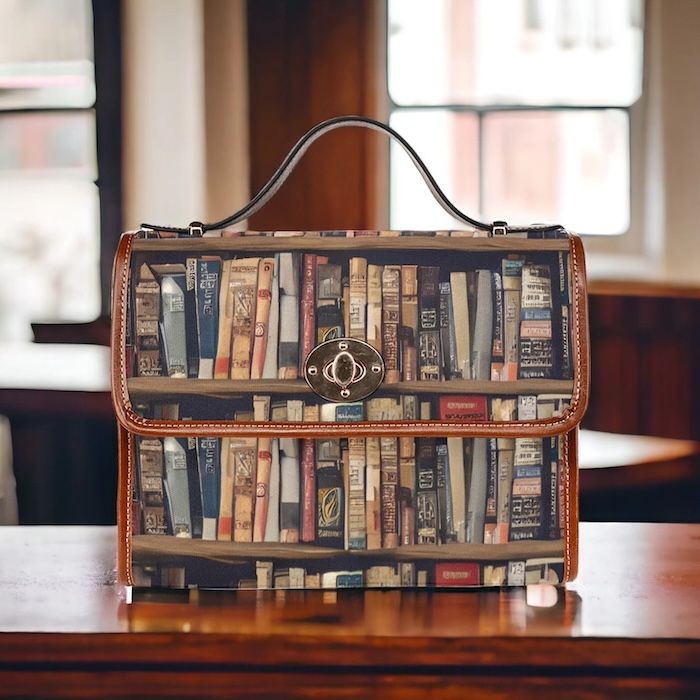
x=327 y=409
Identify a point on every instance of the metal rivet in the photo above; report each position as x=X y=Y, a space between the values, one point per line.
x=345 y=393
x=376 y=369
x=343 y=345
x=313 y=370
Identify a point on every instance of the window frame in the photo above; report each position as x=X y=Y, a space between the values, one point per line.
x=481 y=110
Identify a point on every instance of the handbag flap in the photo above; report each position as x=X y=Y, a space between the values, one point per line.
x=472 y=335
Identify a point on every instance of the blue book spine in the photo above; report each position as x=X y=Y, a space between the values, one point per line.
x=207 y=290
x=209 y=463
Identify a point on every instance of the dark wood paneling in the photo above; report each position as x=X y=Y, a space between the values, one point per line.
x=645 y=372
x=645 y=377
x=310 y=60
x=108 y=117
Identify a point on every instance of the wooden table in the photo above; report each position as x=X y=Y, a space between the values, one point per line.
x=628 y=627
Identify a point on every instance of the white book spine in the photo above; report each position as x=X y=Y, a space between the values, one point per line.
x=455 y=455
x=483 y=327
x=176 y=487
x=476 y=506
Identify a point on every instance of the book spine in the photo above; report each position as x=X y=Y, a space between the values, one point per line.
x=476 y=504
x=272 y=524
x=407 y=487
x=497 y=345
x=526 y=494
x=172 y=299
x=564 y=318
x=461 y=368
x=483 y=327
x=448 y=339
x=409 y=322
x=553 y=488
x=536 y=357
x=261 y=412
x=427 y=514
x=357 y=519
x=457 y=574
x=289 y=316
x=457 y=495
x=373 y=493
x=150 y=459
x=289 y=491
x=503 y=410
x=177 y=487
x=506 y=448
x=192 y=340
x=374 y=307
x=308 y=308
x=146 y=317
x=329 y=292
x=330 y=501
x=391 y=318
x=428 y=329
x=388 y=447
x=243 y=286
x=511 y=269
x=208 y=273
x=308 y=490
x=222 y=362
x=195 y=493
x=262 y=317
x=358 y=298
x=209 y=464
x=270 y=365
x=446 y=531
x=225 y=525
x=491 y=491
x=245 y=458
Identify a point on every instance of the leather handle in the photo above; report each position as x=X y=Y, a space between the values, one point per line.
x=296 y=153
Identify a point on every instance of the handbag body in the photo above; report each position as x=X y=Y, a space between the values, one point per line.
x=331 y=409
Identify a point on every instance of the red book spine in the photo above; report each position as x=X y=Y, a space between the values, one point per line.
x=464 y=408
x=308 y=475
x=457 y=574
x=308 y=308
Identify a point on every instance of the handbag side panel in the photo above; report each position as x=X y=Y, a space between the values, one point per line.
x=166 y=561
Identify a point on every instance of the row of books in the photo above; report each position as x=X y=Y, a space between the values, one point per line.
x=353 y=492
x=258 y=318
x=517 y=572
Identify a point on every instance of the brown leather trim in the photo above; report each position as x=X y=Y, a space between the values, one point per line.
x=570 y=473
x=124 y=496
x=555 y=426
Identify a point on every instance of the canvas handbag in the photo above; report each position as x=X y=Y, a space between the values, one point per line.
x=328 y=409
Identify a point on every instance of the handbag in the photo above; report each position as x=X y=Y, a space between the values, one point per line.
x=332 y=409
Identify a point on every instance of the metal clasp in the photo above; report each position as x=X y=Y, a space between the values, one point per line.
x=344 y=369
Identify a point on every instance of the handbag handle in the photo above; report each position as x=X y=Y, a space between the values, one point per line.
x=295 y=155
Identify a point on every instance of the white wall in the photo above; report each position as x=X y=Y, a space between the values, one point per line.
x=185 y=110
x=664 y=239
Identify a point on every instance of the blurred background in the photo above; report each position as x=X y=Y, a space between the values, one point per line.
x=579 y=112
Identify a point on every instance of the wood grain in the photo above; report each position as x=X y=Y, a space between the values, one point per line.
x=150 y=547
x=628 y=627
x=145 y=387
x=289 y=243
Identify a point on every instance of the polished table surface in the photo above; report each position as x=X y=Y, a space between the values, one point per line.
x=628 y=627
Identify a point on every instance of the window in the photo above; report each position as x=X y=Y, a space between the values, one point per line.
x=519 y=107
x=50 y=235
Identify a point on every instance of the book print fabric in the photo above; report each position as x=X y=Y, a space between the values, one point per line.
x=213 y=327
x=469 y=331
